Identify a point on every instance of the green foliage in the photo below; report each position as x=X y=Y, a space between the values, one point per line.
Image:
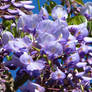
x=76 y=20
x=79 y=2
x=89 y=26
x=50 y=5
x=7 y=24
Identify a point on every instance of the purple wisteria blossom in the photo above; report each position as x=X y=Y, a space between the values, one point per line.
x=88 y=40
x=57 y=75
x=81 y=64
x=48 y=51
x=6 y=36
x=69 y=47
x=32 y=87
x=53 y=48
x=32 y=20
x=58 y=12
x=44 y=13
x=31 y=65
x=80 y=31
x=86 y=10
x=18 y=45
x=83 y=50
x=73 y=59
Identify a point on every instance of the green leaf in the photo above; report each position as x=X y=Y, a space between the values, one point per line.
x=52 y=4
x=48 y=8
x=76 y=20
x=89 y=26
x=79 y=2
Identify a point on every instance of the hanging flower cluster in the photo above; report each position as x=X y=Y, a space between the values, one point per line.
x=49 y=55
x=9 y=9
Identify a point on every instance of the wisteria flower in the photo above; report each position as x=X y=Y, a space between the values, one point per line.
x=26 y=2
x=26 y=59
x=80 y=31
x=32 y=87
x=44 y=13
x=87 y=78
x=58 y=12
x=83 y=50
x=71 y=38
x=59 y=29
x=81 y=64
x=45 y=26
x=17 y=44
x=36 y=66
x=69 y=47
x=73 y=59
x=4 y=7
x=31 y=65
x=79 y=74
x=44 y=38
x=88 y=40
x=58 y=74
x=53 y=48
x=6 y=36
x=13 y=63
x=28 y=23
x=86 y=10
x=90 y=61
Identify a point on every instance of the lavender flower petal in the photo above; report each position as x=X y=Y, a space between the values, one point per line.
x=26 y=2
x=26 y=59
x=81 y=64
x=86 y=10
x=58 y=74
x=6 y=36
x=88 y=39
x=4 y=7
x=29 y=7
x=13 y=11
x=44 y=13
x=9 y=17
x=58 y=12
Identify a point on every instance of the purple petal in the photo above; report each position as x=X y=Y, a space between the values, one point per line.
x=44 y=13
x=89 y=48
x=53 y=48
x=73 y=59
x=26 y=59
x=44 y=38
x=26 y=2
x=29 y=7
x=69 y=47
x=24 y=20
x=58 y=12
x=9 y=17
x=35 y=66
x=90 y=61
x=58 y=74
x=87 y=78
x=32 y=87
x=13 y=11
x=88 y=39
x=83 y=50
x=86 y=10
x=4 y=7
x=18 y=5
x=80 y=74
x=6 y=0
x=6 y=36
x=81 y=64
